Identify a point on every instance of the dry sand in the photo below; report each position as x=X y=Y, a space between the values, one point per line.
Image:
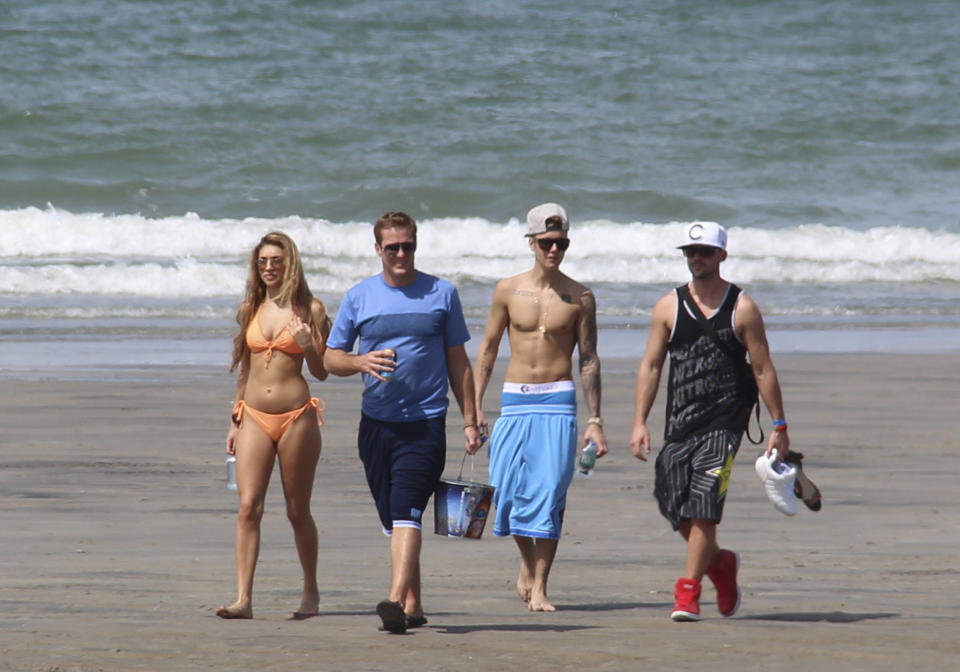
x=116 y=540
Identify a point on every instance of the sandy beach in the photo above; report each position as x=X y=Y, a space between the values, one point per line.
x=116 y=540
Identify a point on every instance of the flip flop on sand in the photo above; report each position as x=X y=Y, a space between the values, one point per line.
x=416 y=621
x=804 y=487
x=394 y=620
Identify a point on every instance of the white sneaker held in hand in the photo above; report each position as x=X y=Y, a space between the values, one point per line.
x=778 y=479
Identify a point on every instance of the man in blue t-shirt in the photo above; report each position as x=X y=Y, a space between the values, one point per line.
x=411 y=332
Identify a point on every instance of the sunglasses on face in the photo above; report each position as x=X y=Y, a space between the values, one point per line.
x=393 y=248
x=699 y=251
x=264 y=262
x=546 y=244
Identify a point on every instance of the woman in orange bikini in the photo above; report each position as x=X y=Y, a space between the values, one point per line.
x=274 y=417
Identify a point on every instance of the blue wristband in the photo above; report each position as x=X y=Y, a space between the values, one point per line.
x=779 y=423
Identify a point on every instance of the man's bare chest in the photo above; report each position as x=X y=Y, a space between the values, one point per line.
x=543 y=311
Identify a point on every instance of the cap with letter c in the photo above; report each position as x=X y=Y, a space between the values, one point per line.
x=709 y=234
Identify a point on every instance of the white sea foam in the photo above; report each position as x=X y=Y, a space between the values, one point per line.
x=52 y=252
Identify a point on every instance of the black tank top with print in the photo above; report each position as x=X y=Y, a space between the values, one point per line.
x=709 y=387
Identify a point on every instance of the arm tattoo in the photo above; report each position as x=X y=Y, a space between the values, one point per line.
x=590 y=379
x=589 y=361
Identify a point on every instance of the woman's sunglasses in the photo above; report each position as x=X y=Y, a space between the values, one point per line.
x=276 y=262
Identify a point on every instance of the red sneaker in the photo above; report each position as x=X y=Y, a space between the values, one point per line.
x=686 y=592
x=723 y=573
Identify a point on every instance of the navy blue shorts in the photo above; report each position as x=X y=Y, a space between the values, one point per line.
x=403 y=462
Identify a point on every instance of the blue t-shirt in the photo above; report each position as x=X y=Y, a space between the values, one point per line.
x=419 y=321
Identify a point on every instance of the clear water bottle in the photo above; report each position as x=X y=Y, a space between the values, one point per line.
x=232 y=473
x=588 y=459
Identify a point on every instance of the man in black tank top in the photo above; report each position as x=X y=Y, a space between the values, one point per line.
x=719 y=360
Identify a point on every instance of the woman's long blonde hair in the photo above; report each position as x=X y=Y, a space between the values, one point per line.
x=293 y=290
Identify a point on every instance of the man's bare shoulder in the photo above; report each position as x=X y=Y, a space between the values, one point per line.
x=744 y=300
x=517 y=285
x=505 y=288
x=572 y=291
x=665 y=307
x=512 y=281
x=747 y=310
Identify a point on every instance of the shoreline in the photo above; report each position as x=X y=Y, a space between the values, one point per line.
x=118 y=539
x=107 y=356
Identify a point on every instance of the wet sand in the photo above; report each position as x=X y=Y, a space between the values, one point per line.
x=116 y=540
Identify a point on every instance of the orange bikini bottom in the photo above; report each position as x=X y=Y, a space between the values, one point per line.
x=275 y=424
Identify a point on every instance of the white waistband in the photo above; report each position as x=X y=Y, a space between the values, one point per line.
x=538 y=388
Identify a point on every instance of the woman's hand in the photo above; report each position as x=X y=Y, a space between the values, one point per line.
x=300 y=331
x=232 y=438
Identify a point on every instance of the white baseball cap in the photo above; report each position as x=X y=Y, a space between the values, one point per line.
x=538 y=216
x=709 y=234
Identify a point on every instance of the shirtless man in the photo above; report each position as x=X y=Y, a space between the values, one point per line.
x=534 y=443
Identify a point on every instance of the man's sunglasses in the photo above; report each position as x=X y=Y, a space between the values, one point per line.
x=546 y=244
x=704 y=251
x=393 y=248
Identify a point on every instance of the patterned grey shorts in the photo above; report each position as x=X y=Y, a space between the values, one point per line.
x=692 y=476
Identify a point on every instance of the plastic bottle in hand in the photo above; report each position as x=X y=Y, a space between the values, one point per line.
x=588 y=459
x=390 y=375
x=232 y=473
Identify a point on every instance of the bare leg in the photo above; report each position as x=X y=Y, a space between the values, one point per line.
x=411 y=599
x=546 y=551
x=536 y=559
x=255 y=457
x=299 y=451
x=528 y=561
x=405 y=545
x=702 y=548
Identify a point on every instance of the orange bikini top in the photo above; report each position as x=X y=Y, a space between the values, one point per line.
x=284 y=342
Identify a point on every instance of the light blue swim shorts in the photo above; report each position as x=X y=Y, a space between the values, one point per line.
x=533 y=447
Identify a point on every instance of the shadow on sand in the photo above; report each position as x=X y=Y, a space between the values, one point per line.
x=817 y=617
x=508 y=627
x=613 y=606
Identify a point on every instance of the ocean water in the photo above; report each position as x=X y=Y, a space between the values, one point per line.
x=145 y=146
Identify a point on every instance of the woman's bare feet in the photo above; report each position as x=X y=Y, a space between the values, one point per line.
x=235 y=610
x=309 y=606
